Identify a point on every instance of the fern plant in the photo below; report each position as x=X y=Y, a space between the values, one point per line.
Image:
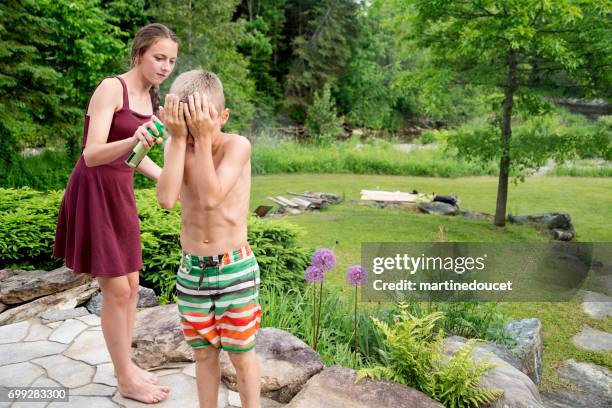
x=414 y=356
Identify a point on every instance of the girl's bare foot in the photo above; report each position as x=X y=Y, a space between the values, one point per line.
x=142 y=391
x=145 y=375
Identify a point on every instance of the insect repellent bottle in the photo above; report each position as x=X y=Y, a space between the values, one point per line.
x=140 y=150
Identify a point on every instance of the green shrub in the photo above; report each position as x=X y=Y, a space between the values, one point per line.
x=49 y=170
x=27 y=228
x=414 y=355
x=27 y=231
x=322 y=124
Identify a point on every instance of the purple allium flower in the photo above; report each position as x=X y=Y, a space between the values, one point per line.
x=325 y=259
x=356 y=275
x=313 y=274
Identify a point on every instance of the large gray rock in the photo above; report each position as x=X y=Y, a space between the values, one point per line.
x=588 y=377
x=559 y=225
x=158 y=338
x=146 y=298
x=564 y=398
x=438 y=208
x=592 y=387
x=526 y=354
x=335 y=387
x=286 y=364
x=68 y=299
x=23 y=286
x=7 y=273
x=94 y=305
x=549 y=220
x=529 y=346
x=519 y=390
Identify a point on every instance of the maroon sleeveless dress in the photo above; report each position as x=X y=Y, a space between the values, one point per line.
x=98 y=231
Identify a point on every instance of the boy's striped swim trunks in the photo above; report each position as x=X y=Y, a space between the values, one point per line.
x=218 y=299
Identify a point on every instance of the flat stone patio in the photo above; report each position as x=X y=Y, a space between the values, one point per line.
x=71 y=353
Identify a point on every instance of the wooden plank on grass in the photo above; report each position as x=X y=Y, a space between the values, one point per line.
x=304 y=204
x=276 y=201
x=397 y=196
x=286 y=202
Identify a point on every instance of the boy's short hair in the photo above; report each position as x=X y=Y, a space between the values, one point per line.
x=199 y=80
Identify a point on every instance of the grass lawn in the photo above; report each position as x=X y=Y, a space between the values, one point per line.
x=587 y=200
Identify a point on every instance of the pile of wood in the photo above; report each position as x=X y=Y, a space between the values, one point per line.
x=298 y=203
x=389 y=196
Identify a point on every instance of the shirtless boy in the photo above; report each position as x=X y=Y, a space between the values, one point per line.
x=218 y=280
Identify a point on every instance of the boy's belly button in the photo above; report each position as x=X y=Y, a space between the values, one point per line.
x=206 y=241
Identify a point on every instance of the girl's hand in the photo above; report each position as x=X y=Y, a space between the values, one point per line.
x=173 y=118
x=142 y=135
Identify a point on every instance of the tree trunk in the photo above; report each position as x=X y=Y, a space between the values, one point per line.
x=506 y=133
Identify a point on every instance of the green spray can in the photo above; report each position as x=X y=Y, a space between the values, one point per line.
x=140 y=150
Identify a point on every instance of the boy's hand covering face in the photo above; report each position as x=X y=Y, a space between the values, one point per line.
x=172 y=116
x=201 y=116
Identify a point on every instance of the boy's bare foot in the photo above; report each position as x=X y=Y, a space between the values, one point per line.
x=143 y=391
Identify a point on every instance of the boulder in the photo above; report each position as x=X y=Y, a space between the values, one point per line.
x=24 y=286
x=438 y=208
x=591 y=387
x=68 y=299
x=526 y=354
x=158 y=339
x=146 y=298
x=7 y=273
x=519 y=390
x=529 y=346
x=558 y=224
x=588 y=377
x=286 y=364
x=335 y=387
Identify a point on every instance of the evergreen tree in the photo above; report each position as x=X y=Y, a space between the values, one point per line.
x=322 y=124
x=128 y=15
x=322 y=49
x=265 y=20
x=367 y=92
x=53 y=54
x=209 y=40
